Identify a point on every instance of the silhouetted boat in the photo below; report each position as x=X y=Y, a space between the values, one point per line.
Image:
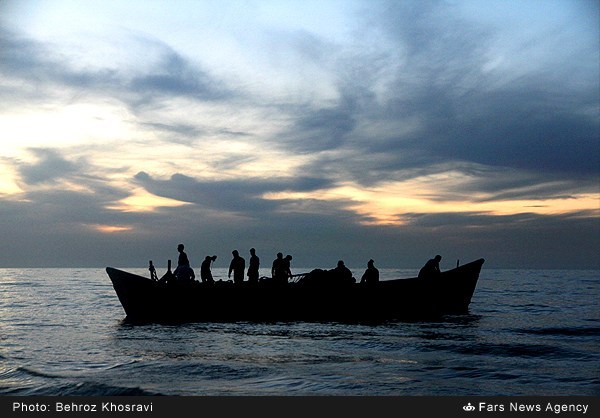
x=144 y=299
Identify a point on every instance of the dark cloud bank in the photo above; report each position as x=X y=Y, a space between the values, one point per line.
x=55 y=228
x=535 y=136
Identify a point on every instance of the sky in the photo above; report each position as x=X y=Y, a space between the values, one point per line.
x=328 y=129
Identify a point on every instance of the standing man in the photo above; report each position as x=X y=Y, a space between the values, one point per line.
x=183 y=270
x=277 y=268
x=183 y=258
x=237 y=265
x=287 y=272
x=253 y=267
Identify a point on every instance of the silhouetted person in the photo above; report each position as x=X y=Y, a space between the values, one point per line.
x=205 y=272
x=371 y=275
x=342 y=273
x=431 y=269
x=237 y=265
x=276 y=269
x=183 y=270
x=253 y=267
x=183 y=258
x=286 y=268
x=153 y=275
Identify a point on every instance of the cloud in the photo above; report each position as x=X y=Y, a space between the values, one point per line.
x=71 y=189
x=175 y=76
x=179 y=133
x=44 y=74
x=527 y=129
x=227 y=214
x=65 y=235
x=244 y=196
x=321 y=129
x=438 y=95
x=421 y=92
x=165 y=73
x=525 y=240
x=444 y=106
x=50 y=167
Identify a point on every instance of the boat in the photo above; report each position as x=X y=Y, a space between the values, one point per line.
x=150 y=300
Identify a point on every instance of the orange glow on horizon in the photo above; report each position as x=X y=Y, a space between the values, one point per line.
x=142 y=201
x=111 y=229
x=386 y=205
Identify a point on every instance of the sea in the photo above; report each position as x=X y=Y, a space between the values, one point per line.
x=528 y=332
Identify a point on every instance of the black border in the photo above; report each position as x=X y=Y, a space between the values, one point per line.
x=295 y=406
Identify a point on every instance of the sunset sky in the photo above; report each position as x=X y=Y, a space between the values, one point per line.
x=326 y=129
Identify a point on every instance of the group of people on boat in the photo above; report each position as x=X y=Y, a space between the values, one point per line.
x=281 y=270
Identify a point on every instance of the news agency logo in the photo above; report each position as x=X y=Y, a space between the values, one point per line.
x=468 y=407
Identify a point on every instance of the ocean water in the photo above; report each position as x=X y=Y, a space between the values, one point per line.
x=528 y=332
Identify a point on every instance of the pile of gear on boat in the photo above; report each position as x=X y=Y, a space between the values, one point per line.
x=280 y=272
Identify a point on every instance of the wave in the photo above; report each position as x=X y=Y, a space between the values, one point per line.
x=28 y=382
x=35 y=373
x=563 y=331
x=25 y=381
x=77 y=389
x=124 y=364
x=508 y=350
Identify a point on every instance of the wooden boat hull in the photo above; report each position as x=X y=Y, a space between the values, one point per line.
x=147 y=300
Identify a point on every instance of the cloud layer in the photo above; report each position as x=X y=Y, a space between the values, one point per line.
x=319 y=149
